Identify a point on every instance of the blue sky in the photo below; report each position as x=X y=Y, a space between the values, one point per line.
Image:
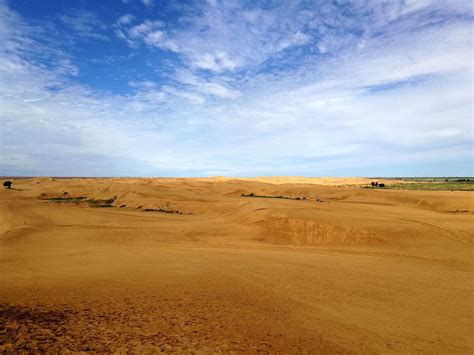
x=161 y=88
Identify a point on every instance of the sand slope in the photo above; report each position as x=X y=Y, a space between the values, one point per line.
x=346 y=270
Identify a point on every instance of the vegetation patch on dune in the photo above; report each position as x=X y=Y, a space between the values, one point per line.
x=426 y=183
x=448 y=186
x=458 y=211
x=65 y=199
x=163 y=211
x=266 y=196
x=70 y=199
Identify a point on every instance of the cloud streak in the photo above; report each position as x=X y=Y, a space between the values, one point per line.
x=85 y=24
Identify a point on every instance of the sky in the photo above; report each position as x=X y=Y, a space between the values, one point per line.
x=236 y=88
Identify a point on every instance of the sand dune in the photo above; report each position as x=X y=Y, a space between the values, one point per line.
x=190 y=264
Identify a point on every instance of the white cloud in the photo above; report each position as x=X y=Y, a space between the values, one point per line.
x=322 y=47
x=297 y=39
x=150 y=32
x=219 y=90
x=204 y=86
x=147 y=3
x=192 y=97
x=145 y=28
x=161 y=40
x=217 y=62
x=125 y=19
x=143 y=84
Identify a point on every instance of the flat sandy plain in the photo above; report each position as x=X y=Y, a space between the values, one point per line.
x=346 y=270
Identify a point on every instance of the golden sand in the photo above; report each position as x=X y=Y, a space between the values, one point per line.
x=344 y=270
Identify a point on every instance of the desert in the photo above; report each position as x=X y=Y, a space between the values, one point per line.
x=236 y=177
x=212 y=265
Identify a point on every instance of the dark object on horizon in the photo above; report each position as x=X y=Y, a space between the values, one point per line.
x=376 y=183
x=372 y=183
x=8 y=184
x=382 y=185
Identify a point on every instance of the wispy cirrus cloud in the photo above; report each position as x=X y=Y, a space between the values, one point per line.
x=228 y=37
x=85 y=24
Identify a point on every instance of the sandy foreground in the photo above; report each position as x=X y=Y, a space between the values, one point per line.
x=346 y=270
